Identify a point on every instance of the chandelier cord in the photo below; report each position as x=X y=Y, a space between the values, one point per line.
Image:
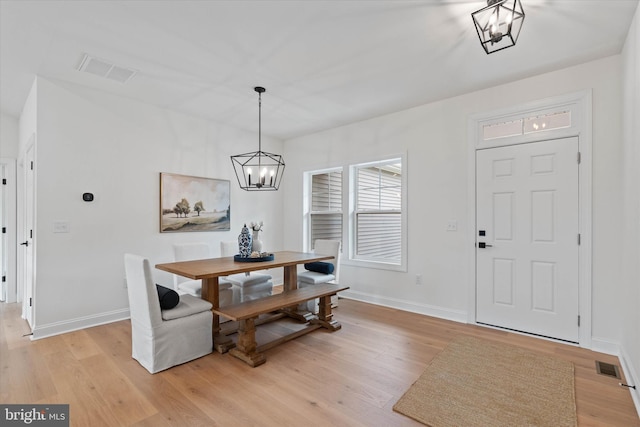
x=259 y=131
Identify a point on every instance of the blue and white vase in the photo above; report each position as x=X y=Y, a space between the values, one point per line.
x=244 y=242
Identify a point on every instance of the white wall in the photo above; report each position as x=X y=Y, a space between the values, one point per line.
x=8 y=136
x=435 y=139
x=116 y=148
x=630 y=296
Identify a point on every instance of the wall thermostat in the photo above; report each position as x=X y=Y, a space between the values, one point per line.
x=87 y=197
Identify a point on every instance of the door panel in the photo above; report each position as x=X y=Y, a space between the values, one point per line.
x=27 y=236
x=527 y=208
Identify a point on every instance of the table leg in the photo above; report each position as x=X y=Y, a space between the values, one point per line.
x=246 y=350
x=325 y=315
x=290 y=277
x=211 y=293
x=291 y=283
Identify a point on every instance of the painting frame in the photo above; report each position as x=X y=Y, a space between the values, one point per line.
x=194 y=204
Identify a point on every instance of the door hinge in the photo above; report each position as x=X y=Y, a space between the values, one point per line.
x=579 y=157
x=4 y=181
x=31 y=234
x=4 y=278
x=32 y=165
x=4 y=230
x=578 y=320
x=579 y=239
x=30 y=301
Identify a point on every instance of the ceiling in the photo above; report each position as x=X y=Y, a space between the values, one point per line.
x=323 y=63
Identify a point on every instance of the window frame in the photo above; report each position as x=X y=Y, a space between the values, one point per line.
x=373 y=262
x=308 y=205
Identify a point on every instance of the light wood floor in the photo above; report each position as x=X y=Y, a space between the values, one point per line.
x=351 y=377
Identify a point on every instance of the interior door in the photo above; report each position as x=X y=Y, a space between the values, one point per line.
x=527 y=244
x=3 y=235
x=27 y=235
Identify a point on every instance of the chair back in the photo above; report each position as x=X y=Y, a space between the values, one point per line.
x=188 y=252
x=144 y=305
x=330 y=247
x=228 y=248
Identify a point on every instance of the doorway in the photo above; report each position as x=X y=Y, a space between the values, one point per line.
x=527 y=256
x=27 y=238
x=9 y=290
x=565 y=117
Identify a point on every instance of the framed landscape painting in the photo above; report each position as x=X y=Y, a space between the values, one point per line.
x=190 y=203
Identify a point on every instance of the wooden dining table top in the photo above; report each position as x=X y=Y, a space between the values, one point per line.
x=215 y=267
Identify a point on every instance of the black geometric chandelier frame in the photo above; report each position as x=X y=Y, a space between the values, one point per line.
x=258 y=170
x=498 y=24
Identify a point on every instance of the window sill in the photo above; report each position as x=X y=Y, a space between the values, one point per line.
x=378 y=265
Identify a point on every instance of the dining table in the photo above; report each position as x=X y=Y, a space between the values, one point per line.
x=210 y=270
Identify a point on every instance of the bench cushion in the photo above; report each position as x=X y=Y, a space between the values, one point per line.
x=194 y=287
x=314 y=278
x=243 y=280
x=187 y=306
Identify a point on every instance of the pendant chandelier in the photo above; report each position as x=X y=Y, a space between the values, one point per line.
x=498 y=24
x=258 y=170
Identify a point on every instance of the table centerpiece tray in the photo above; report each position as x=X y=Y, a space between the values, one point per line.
x=262 y=258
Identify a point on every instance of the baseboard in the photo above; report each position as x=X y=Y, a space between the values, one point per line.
x=609 y=347
x=427 y=310
x=602 y=345
x=57 y=328
x=632 y=378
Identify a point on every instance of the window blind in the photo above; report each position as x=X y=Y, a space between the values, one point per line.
x=378 y=214
x=326 y=206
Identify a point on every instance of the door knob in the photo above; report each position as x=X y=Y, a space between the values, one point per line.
x=25 y=243
x=483 y=245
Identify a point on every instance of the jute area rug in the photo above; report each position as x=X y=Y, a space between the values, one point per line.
x=478 y=383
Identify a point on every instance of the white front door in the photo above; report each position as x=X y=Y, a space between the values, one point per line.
x=527 y=243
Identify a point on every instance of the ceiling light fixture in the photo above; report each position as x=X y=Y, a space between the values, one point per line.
x=258 y=170
x=498 y=24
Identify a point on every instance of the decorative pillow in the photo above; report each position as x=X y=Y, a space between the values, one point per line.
x=320 y=267
x=168 y=297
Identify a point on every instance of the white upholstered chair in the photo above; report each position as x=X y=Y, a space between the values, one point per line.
x=164 y=338
x=246 y=286
x=309 y=278
x=193 y=251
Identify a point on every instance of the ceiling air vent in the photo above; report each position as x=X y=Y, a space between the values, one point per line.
x=102 y=68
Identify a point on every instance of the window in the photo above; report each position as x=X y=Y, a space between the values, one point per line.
x=377 y=232
x=325 y=209
x=526 y=125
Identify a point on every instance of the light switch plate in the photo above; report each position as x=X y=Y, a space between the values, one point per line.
x=61 y=227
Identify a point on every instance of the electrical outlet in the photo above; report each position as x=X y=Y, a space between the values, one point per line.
x=452 y=225
x=418 y=279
